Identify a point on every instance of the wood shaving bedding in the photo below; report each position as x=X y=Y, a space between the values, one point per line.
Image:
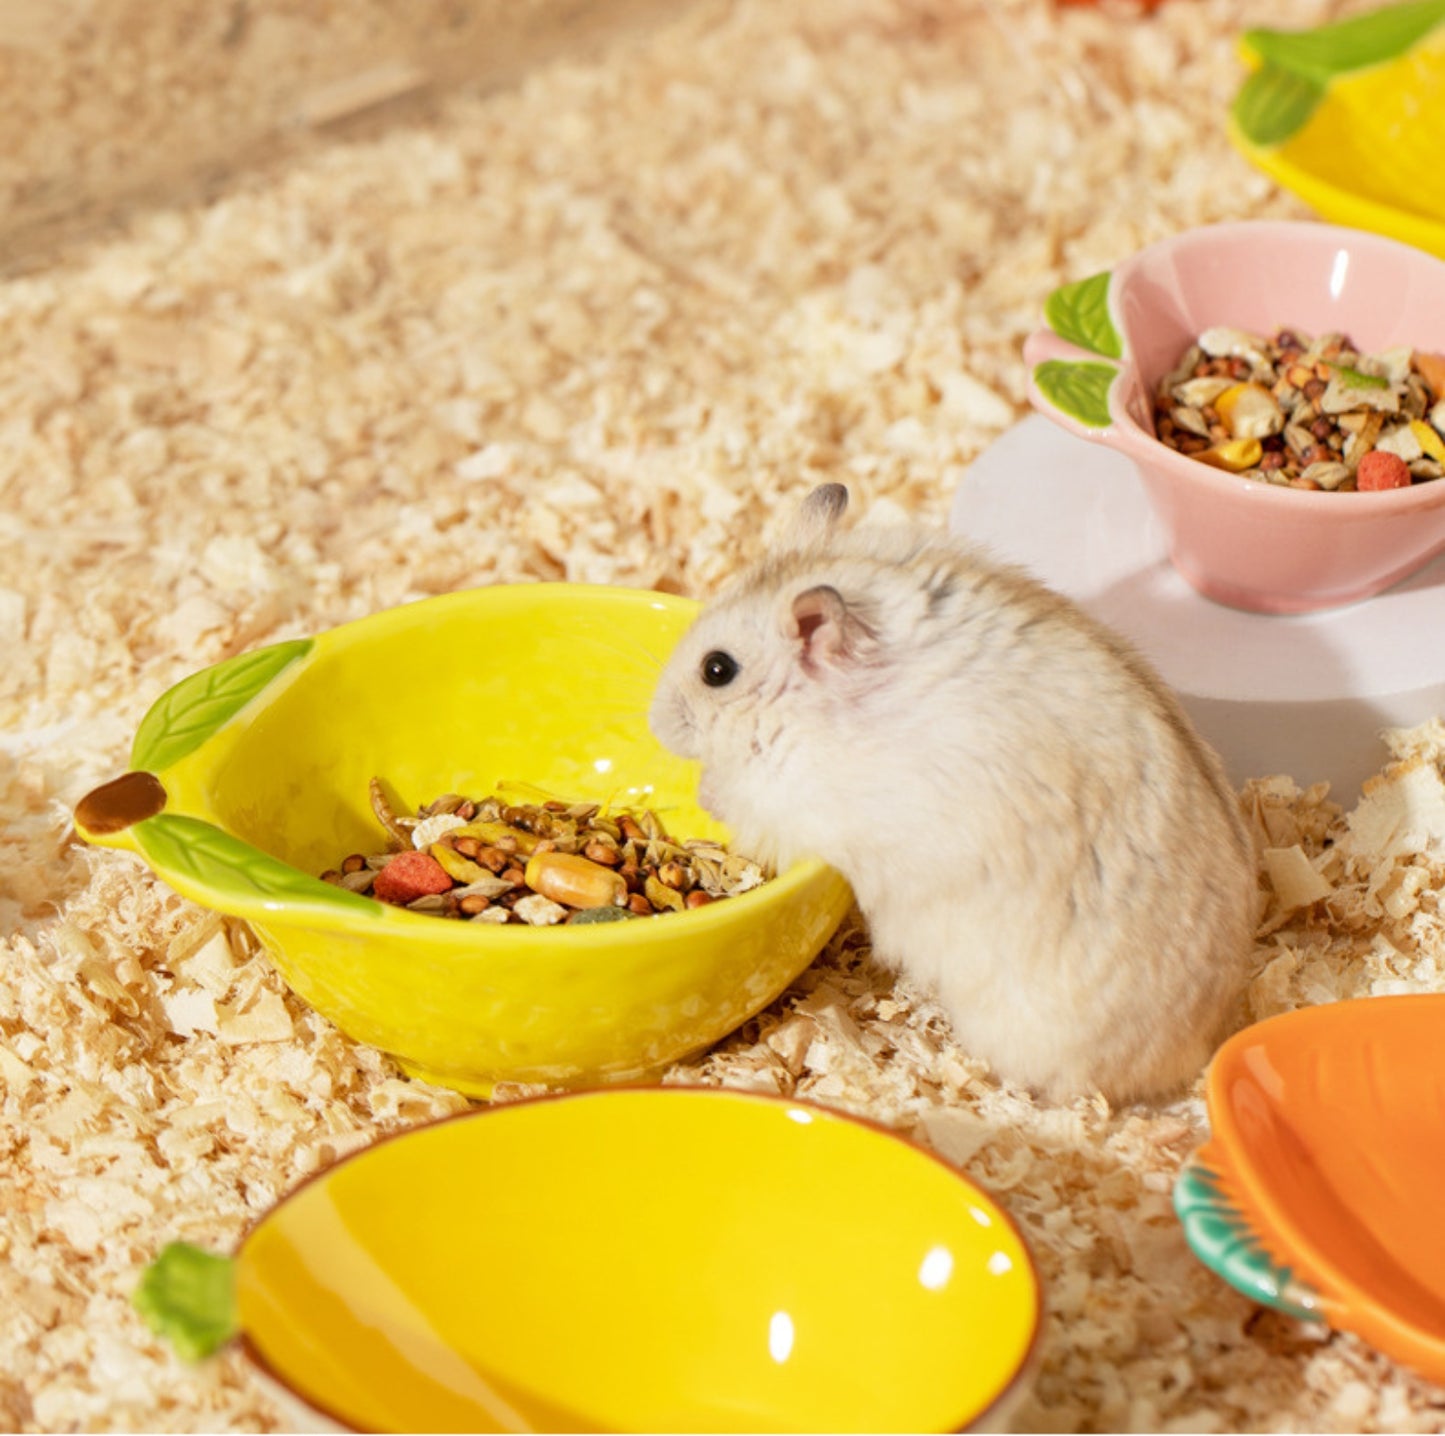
x=114 y=103
x=543 y=334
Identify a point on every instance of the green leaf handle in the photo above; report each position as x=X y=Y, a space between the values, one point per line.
x=183 y=717
x=1353 y=44
x=1275 y=103
x=188 y=1297
x=1079 y=312
x=1078 y=388
x=215 y=861
x=1295 y=67
x=1220 y=1235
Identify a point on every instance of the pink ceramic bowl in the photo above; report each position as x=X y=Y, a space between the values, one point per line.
x=1248 y=544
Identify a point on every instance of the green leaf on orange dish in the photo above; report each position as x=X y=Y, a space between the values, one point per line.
x=1222 y=1238
x=183 y=717
x=1077 y=388
x=213 y=859
x=1079 y=312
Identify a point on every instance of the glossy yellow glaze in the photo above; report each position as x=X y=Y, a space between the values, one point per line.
x=1369 y=155
x=631 y=1260
x=543 y=685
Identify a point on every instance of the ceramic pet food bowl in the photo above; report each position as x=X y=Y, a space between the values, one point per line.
x=1241 y=541
x=1318 y=1192
x=1348 y=116
x=663 y=1259
x=251 y=778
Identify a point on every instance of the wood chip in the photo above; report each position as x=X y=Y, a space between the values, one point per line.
x=604 y=326
x=1293 y=877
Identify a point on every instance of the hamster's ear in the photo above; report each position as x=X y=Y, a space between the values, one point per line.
x=827 y=631
x=817 y=515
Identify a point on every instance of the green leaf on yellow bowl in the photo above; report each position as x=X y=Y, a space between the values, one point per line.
x=1275 y=103
x=1335 y=49
x=212 y=859
x=1295 y=67
x=1079 y=312
x=188 y=1297
x=1079 y=388
x=183 y=717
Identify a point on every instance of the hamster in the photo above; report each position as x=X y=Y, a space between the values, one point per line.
x=1032 y=827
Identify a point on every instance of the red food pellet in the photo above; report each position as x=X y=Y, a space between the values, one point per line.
x=409 y=876
x=1379 y=470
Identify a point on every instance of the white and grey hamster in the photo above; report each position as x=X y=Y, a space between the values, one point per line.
x=1032 y=827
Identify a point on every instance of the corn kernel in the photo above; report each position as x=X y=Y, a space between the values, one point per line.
x=1249 y=412
x=1429 y=441
x=1235 y=456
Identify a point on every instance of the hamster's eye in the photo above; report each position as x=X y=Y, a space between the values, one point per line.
x=719 y=669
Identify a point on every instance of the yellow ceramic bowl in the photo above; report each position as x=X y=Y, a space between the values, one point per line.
x=251 y=777
x=1349 y=117
x=641 y=1260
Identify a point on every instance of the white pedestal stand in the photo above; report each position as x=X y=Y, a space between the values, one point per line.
x=1305 y=695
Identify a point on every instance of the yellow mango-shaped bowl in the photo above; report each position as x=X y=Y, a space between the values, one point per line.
x=664 y=1259
x=251 y=778
x=1349 y=116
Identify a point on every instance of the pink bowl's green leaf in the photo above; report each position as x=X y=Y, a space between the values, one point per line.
x=1077 y=388
x=183 y=717
x=214 y=860
x=1079 y=312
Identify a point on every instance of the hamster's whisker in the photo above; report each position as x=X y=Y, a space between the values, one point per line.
x=632 y=649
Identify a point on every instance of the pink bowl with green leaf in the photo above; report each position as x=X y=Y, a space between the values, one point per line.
x=1109 y=339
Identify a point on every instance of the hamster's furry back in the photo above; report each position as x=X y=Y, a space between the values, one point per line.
x=1029 y=821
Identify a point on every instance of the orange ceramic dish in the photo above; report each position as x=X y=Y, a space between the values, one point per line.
x=1318 y=1193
